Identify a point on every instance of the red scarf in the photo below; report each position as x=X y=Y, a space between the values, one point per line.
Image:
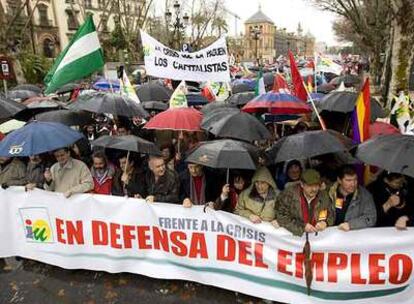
x=305 y=208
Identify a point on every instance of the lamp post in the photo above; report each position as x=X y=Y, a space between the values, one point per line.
x=176 y=23
x=255 y=33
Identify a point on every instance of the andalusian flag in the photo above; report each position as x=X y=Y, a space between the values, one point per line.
x=126 y=87
x=79 y=59
x=178 y=98
x=260 y=86
x=222 y=90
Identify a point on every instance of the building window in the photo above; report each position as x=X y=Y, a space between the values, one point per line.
x=43 y=16
x=101 y=3
x=48 y=48
x=72 y=20
x=88 y=3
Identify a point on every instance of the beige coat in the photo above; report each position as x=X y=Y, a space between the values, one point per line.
x=74 y=177
x=250 y=203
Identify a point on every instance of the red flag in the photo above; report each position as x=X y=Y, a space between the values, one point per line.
x=208 y=93
x=280 y=85
x=310 y=64
x=74 y=95
x=299 y=89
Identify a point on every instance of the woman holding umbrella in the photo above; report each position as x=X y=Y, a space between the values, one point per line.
x=229 y=196
x=129 y=179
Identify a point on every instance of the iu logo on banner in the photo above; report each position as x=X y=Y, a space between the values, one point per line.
x=36 y=225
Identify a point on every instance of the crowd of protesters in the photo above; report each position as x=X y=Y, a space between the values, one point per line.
x=292 y=195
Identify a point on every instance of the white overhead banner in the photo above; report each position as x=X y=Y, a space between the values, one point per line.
x=165 y=241
x=208 y=64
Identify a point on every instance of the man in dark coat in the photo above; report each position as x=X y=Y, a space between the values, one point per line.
x=162 y=184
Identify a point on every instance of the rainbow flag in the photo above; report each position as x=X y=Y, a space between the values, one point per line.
x=362 y=114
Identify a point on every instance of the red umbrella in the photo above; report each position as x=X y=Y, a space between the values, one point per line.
x=381 y=128
x=179 y=119
x=278 y=104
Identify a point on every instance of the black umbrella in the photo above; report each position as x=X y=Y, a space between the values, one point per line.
x=196 y=99
x=216 y=115
x=67 y=88
x=240 y=99
x=28 y=87
x=9 y=107
x=153 y=91
x=348 y=80
x=325 y=88
x=66 y=117
x=21 y=94
x=225 y=154
x=308 y=144
x=215 y=105
x=100 y=102
x=155 y=106
x=392 y=152
x=344 y=102
x=240 y=126
x=38 y=105
x=130 y=143
x=240 y=88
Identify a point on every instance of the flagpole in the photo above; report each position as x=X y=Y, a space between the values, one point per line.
x=314 y=108
x=316 y=79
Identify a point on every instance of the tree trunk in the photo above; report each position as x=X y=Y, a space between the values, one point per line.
x=401 y=46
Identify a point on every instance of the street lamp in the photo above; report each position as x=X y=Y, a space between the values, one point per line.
x=255 y=33
x=176 y=23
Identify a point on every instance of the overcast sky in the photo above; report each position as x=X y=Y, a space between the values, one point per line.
x=286 y=13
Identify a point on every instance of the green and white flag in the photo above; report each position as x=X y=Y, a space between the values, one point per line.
x=127 y=89
x=260 y=86
x=178 y=98
x=79 y=59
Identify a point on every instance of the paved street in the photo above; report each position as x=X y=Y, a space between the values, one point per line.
x=32 y=282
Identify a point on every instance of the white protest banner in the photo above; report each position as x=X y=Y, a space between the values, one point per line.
x=208 y=64
x=166 y=241
x=327 y=65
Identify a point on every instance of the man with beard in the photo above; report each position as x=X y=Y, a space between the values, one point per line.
x=102 y=174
